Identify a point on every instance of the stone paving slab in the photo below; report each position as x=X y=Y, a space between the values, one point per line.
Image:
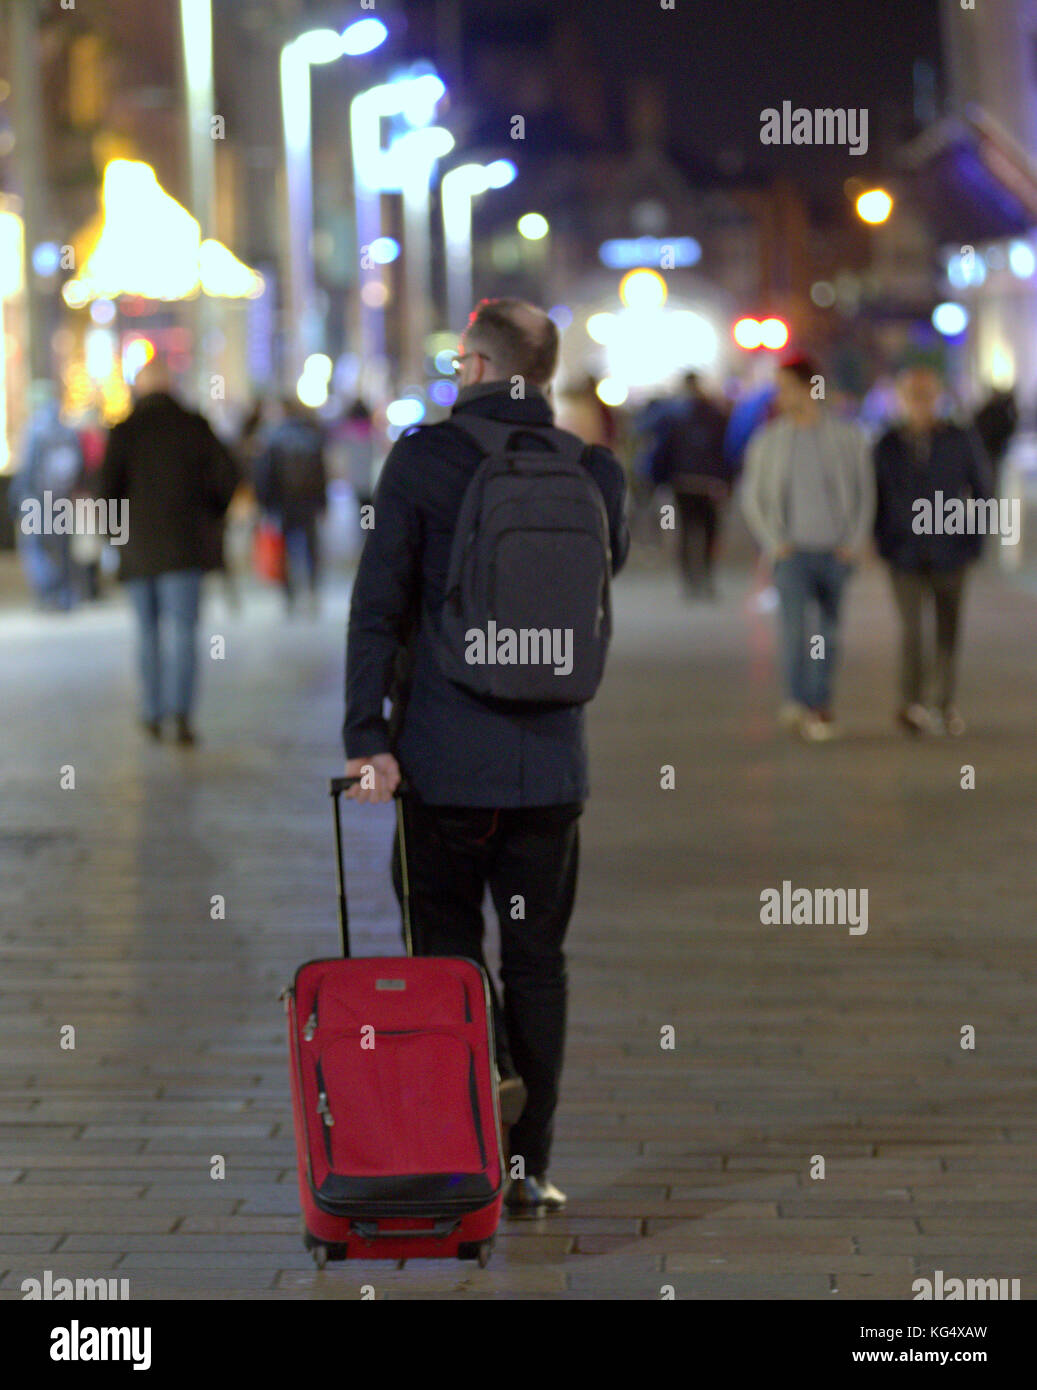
x=689 y=1166
x=63 y=1222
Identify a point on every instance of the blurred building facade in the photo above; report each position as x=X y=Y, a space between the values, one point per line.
x=596 y=156
x=979 y=168
x=111 y=86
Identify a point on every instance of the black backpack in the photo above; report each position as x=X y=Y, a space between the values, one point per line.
x=527 y=615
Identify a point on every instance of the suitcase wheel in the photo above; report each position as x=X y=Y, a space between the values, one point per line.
x=476 y=1250
x=320 y=1255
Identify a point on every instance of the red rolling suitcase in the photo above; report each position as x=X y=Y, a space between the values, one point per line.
x=394 y=1097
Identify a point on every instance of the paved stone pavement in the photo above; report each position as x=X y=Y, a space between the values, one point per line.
x=687 y=1166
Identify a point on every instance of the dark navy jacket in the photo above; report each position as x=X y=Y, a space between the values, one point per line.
x=178 y=479
x=956 y=466
x=692 y=446
x=453 y=749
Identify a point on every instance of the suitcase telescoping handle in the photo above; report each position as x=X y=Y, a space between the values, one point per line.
x=336 y=787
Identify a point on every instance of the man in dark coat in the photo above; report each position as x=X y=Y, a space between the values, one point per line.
x=996 y=422
x=495 y=794
x=690 y=458
x=291 y=483
x=925 y=462
x=176 y=479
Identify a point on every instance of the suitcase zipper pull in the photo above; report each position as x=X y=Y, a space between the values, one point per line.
x=311 y=1027
x=322 y=1109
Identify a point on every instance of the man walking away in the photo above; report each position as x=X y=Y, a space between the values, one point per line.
x=690 y=458
x=496 y=786
x=176 y=479
x=356 y=436
x=996 y=422
x=914 y=460
x=808 y=497
x=291 y=482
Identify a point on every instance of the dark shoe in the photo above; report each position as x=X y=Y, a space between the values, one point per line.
x=523 y=1199
x=529 y=1198
x=152 y=728
x=185 y=736
x=512 y=1094
x=695 y=589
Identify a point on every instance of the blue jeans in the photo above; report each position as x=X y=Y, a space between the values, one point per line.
x=48 y=567
x=175 y=596
x=810 y=584
x=302 y=557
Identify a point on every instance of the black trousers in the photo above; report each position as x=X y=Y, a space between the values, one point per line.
x=302 y=557
x=913 y=592
x=699 y=517
x=529 y=859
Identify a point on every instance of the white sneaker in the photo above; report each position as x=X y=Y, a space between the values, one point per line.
x=952 y=721
x=915 y=720
x=819 y=728
x=792 y=714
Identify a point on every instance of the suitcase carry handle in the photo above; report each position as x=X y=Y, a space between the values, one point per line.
x=368 y=1230
x=336 y=787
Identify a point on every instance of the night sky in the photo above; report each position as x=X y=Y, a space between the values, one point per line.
x=732 y=58
x=723 y=61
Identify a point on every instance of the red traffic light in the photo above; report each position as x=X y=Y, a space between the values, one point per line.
x=770 y=333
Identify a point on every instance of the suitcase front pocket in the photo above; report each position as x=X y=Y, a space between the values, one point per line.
x=389 y=1000
x=406 y=1105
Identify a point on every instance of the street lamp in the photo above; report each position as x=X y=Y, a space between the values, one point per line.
x=874 y=206
x=196 y=35
x=534 y=226
x=317 y=46
x=400 y=168
x=416 y=154
x=457 y=190
x=12 y=282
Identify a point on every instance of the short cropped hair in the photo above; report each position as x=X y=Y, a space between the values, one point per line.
x=501 y=328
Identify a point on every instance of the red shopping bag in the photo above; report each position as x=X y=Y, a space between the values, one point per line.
x=268 y=558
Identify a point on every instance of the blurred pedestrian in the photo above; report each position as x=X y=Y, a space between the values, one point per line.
x=252 y=437
x=52 y=471
x=918 y=457
x=749 y=412
x=808 y=497
x=582 y=411
x=356 y=435
x=690 y=459
x=648 y=427
x=88 y=550
x=177 y=479
x=291 y=482
x=995 y=423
